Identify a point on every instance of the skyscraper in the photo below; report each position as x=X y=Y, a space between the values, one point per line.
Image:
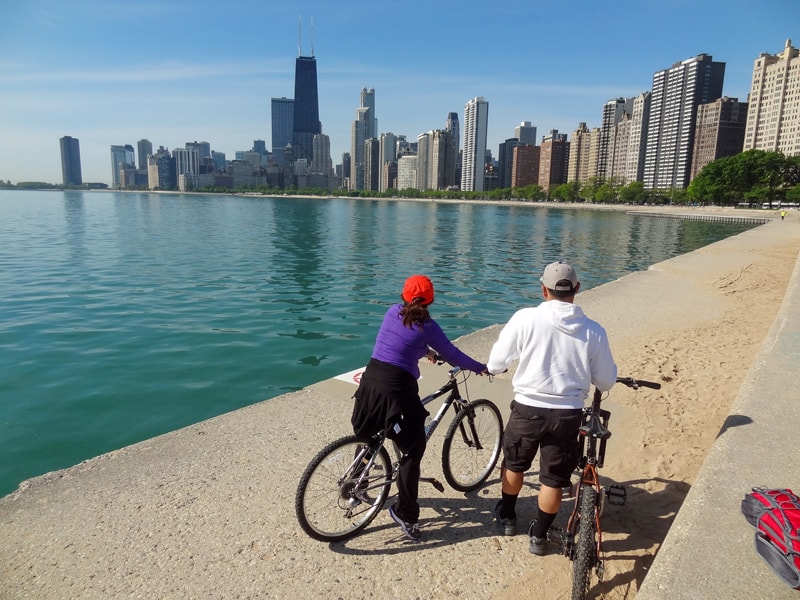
x=121 y=158
x=773 y=112
x=525 y=133
x=71 y=161
x=305 y=120
x=282 y=126
x=476 y=125
x=144 y=148
x=676 y=94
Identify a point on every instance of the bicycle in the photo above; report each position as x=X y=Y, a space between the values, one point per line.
x=347 y=483
x=586 y=552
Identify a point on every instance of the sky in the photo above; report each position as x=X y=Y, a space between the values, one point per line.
x=110 y=72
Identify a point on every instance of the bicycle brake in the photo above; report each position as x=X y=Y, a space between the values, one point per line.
x=616 y=495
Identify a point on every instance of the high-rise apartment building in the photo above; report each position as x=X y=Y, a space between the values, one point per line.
x=676 y=94
x=613 y=112
x=637 y=138
x=476 y=125
x=525 y=168
x=161 y=170
x=407 y=172
x=580 y=167
x=305 y=118
x=436 y=160
x=553 y=160
x=71 y=161
x=144 y=148
x=719 y=131
x=773 y=112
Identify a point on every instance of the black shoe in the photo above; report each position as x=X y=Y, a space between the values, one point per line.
x=410 y=530
x=508 y=526
x=538 y=546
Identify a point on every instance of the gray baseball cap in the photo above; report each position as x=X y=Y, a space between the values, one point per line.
x=557 y=274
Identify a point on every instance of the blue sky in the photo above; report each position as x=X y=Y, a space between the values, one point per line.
x=174 y=71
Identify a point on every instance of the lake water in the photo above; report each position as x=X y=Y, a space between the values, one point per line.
x=127 y=315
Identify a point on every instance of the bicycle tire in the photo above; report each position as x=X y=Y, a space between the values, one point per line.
x=585 y=550
x=464 y=465
x=326 y=503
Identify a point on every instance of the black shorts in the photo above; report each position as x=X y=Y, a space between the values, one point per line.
x=554 y=430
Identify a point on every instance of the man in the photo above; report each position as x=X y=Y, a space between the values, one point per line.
x=561 y=353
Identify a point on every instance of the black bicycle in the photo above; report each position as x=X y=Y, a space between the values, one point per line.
x=347 y=482
x=583 y=538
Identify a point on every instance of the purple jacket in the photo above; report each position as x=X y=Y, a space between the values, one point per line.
x=404 y=346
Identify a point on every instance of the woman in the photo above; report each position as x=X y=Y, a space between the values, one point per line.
x=387 y=399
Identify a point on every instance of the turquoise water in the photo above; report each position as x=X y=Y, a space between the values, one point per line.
x=127 y=315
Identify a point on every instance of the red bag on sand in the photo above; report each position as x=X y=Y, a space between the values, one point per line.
x=760 y=500
x=778 y=530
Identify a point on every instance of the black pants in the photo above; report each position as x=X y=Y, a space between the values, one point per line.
x=388 y=396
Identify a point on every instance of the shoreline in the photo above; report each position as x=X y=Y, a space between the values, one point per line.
x=208 y=510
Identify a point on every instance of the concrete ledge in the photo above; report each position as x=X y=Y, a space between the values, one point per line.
x=709 y=550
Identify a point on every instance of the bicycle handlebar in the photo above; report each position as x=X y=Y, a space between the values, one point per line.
x=637 y=383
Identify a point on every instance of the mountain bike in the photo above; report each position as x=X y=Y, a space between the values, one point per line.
x=583 y=537
x=347 y=483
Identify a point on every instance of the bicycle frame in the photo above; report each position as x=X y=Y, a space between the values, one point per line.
x=594 y=429
x=371 y=449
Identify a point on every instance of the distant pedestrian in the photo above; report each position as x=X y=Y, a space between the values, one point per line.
x=783 y=214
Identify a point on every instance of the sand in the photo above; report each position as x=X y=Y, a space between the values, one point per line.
x=208 y=511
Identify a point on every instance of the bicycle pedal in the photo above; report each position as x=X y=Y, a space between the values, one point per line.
x=434 y=482
x=616 y=495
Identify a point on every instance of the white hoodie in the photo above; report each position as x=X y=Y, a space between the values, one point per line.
x=561 y=353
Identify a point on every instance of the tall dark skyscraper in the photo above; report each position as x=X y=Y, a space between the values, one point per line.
x=305 y=123
x=71 y=160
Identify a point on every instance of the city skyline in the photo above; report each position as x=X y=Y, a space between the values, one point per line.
x=68 y=73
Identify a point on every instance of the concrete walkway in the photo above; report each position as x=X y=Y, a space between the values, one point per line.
x=709 y=552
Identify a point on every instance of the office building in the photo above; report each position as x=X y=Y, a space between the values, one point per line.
x=436 y=160
x=144 y=148
x=282 y=123
x=676 y=94
x=321 y=163
x=773 y=111
x=71 y=161
x=388 y=156
x=122 y=158
x=720 y=131
x=525 y=133
x=364 y=127
x=476 y=124
x=161 y=171
x=305 y=119
x=505 y=162
x=372 y=164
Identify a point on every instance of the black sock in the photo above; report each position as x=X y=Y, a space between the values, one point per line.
x=542 y=524
x=509 y=507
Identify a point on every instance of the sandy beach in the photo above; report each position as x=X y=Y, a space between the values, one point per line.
x=208 y=511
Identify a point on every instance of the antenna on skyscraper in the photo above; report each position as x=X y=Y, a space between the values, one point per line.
x=312 y=36
x=299 y=38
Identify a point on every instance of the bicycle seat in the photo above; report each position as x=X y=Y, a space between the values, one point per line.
x=594 y=428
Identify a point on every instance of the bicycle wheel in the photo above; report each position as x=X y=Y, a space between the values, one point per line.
x=472 y=445
x=585 y=550
x=329 y=504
